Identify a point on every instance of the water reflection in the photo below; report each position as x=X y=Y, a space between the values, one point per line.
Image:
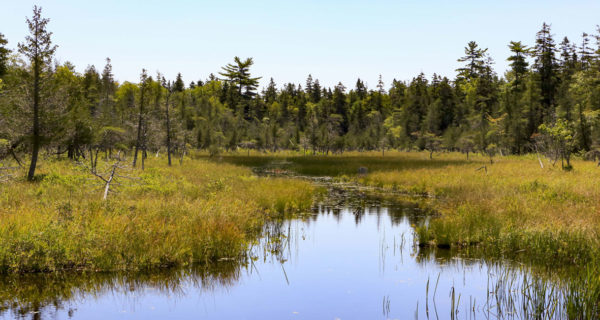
x=353 y=257
x=40 y=296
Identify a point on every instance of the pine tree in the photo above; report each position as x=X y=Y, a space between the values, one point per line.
x=474 y=58
x=238 y=75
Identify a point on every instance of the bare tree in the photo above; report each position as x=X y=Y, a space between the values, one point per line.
x=138 y=143
x=169 y=87
x=110 y=175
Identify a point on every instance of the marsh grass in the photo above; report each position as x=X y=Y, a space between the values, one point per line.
x=515 y=290
x=512 y=207
x=516 y=206
x=168 y=216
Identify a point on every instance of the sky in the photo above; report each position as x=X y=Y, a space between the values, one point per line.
x=335 y=41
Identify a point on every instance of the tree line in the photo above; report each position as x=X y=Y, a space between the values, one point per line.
x=548 y=102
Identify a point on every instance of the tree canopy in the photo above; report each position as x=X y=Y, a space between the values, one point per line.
x=546 y=92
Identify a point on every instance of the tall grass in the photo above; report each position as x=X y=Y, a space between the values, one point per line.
x=512 y=206
x=180 y=215
x=515 y=207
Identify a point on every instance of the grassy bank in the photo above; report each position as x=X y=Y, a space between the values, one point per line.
x=516 y=207
x=513 y=206
x=164 y=216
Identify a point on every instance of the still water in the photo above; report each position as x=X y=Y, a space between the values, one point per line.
x=353 y=257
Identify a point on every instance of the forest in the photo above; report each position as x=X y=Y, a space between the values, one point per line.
x=547 y=103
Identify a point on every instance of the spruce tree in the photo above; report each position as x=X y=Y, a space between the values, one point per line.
x=585 y=52
x=546 y=68
x=179 y=85
x=271 y=92
x=518 y=61
x=38 y=48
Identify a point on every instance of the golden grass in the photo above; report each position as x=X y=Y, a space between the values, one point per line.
x=178 y=215
x=516 y=206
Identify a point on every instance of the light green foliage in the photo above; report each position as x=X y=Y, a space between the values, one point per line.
x=561 y=140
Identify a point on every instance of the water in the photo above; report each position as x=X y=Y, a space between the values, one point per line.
x=354 y=257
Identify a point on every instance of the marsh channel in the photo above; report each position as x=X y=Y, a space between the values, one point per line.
x=354 y=256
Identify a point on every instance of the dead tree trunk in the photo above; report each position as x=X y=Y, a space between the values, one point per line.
x=109 y=180
x=140 y=124
x=168 y=129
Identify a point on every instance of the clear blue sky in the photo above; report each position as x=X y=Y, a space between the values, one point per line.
x=332 y=40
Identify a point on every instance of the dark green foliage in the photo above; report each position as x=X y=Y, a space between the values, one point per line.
x=478 y=111
x=179 y=86
x=474 y=59
x=4 y=52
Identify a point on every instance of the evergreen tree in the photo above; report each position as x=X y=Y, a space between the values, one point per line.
x=4 y=52
x=179 y=85
x=309 y=85
x=474 y=58
x=315 y=95
x=38 y=48
x=271 y=92
x=238 y=75
x=546 y=68
x=518 y=61
x=585 y=52
x=108 y=90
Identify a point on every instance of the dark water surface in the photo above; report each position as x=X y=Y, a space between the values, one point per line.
x=354 y=257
